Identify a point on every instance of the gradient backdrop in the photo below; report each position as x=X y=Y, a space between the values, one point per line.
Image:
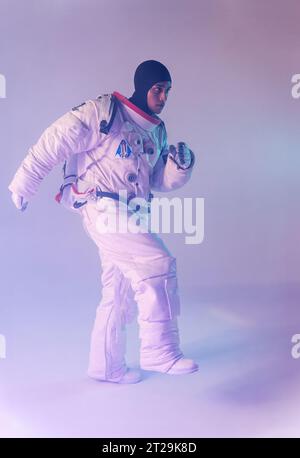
x=231 y=62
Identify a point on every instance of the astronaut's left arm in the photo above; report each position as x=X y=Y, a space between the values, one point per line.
x=173 y=168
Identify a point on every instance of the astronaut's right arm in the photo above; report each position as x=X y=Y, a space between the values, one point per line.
x=72 y=133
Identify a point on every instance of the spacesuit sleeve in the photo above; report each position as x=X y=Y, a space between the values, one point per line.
x=72 y=133
x=167 y=175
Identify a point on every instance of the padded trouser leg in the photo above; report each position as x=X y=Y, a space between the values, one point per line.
x=108 y=340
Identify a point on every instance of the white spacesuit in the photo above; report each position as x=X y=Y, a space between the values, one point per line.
x=135 y=157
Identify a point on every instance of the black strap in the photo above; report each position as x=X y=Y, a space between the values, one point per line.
x=104 y=126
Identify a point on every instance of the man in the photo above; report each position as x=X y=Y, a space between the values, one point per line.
x=134 y=157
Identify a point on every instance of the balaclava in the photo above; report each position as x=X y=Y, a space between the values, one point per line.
x=146 y=75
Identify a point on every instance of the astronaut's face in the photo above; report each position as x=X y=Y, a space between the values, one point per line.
x=157 y=96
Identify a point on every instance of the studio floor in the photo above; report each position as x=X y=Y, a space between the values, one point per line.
x=248 y=384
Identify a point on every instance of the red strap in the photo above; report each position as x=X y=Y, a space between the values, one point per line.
x=58 y=197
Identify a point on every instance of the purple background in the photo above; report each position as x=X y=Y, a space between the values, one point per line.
x=231 y=62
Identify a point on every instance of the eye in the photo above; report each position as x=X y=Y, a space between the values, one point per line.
x=158 y=89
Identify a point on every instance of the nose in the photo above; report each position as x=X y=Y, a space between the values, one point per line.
x=163 y=97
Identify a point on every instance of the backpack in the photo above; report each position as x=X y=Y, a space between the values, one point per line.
x=75 y=167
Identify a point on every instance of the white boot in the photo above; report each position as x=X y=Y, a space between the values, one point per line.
x=180 y=367
x=183 y=366
x=130 y=376
x=160 y=348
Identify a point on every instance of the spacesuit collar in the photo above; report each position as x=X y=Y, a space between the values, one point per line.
x=139 y=116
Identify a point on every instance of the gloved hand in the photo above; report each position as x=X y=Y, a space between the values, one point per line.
x=19 y=201
x=182 y=155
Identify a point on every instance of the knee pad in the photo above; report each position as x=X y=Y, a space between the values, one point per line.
x=158 y=298
x=158 y=266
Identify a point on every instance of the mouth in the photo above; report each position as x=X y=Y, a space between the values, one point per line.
x=160 y=106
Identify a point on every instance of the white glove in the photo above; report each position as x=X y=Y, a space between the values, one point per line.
x=19 y=201
x=182 y=155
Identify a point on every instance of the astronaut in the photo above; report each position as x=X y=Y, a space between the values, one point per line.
x=137 y=268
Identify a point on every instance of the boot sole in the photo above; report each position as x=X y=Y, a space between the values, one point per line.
x=182 y=371
x=123 y=380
